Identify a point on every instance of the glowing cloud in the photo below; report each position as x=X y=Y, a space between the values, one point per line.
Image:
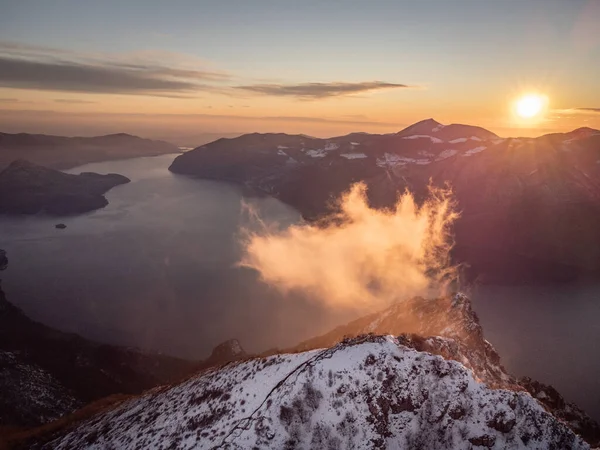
x=361 y=257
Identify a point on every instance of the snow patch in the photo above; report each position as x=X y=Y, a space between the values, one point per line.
x=475 y=150
x=423 y=136
x=391 y=160
x=316 y=153
x=353 y=155
x=446 y=154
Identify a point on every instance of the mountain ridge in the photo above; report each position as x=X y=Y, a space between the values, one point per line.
x=508 y=190
x=288 y=398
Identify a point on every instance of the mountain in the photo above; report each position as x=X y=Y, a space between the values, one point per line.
x=456 y=334
x=529 y=206
x=432 y=128
x=45 y=373
x=441 y=389
x=26 y=188
x=59 y=152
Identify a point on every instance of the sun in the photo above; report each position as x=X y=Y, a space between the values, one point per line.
x=530 y=106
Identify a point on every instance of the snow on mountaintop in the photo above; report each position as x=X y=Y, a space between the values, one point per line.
x=367 y=392
x=423 y=136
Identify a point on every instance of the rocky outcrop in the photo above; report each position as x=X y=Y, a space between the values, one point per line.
x=26 y=188
x=529 y=207
x=226 y=352
x=59 y=152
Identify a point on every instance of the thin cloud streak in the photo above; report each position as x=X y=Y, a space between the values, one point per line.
x=74 y=77
x=312 y=91
x=73 y=101
x=305 y=119
x=39 y=68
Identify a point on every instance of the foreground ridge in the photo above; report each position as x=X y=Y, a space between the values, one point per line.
x=365 y=392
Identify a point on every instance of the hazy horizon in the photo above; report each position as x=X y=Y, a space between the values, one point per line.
x=322 y=69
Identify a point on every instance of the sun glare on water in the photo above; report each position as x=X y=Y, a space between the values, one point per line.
x=530 y=106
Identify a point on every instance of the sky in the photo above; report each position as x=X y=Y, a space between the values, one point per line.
x=183 y=70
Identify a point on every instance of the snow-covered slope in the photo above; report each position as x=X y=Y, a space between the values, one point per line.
x=449 y=327
x=367 y=392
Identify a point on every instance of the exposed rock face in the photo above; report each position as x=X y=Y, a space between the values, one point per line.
x=45 y=373
x=369 y=392
x=26 y=188
x=60 y=152
x=228 y=351
x=530 y=207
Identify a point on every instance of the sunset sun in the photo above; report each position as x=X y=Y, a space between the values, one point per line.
x=530 y=106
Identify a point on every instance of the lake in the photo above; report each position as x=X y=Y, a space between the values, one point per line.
x=156 y=269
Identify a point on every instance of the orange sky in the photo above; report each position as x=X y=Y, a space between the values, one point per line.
x=314 y=68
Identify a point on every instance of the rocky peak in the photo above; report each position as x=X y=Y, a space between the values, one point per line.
x=425 y=127
x=227 y=351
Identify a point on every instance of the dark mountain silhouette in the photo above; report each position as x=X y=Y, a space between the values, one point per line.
x=27 y=188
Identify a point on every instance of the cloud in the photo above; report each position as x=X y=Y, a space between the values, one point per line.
x=73 y=101
x=361 y=257
x=320 y=90
x=9 y=100
x=302 y=119
x=40 y=68
x=592 y=110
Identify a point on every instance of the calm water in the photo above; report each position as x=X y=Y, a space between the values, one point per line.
x=550 y=333
x=156 y=269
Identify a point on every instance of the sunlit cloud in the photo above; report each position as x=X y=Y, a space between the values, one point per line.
x=361 y=257
x=591 y=110
x=321 y=90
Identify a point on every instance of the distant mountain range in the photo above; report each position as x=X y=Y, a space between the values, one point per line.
x=530 y=206
x=59 y=152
